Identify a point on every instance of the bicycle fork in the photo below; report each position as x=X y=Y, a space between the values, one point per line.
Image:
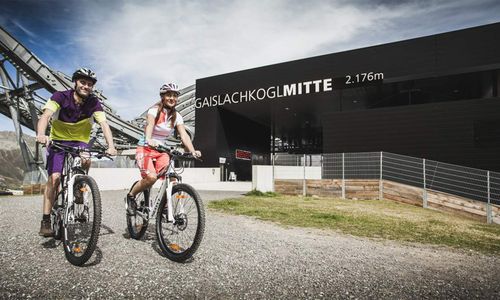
x=170 y=210
x=70 y=199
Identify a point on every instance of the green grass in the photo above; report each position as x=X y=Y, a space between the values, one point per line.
x=368 y=218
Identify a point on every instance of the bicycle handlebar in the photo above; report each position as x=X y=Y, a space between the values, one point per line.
x=99 y=154
x=175 y=153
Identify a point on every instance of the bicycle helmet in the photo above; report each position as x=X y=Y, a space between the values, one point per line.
x=84 y=73
x=167 y=87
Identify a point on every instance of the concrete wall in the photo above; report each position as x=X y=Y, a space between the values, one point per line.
x=262 y=176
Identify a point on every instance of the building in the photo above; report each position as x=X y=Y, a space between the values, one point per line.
x=434 y=97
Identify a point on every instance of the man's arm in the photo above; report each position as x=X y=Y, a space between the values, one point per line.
x=108 y=136
x=41 y=127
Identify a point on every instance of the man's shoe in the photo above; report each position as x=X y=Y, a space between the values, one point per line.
x=131 y=205
x=46 y=229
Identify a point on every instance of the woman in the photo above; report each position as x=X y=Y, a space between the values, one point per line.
x=162 y=118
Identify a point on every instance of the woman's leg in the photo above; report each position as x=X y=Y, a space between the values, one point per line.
x=144 y=159
x=143 y=184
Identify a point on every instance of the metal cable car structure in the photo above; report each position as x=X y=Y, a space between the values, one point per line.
x=23 y=75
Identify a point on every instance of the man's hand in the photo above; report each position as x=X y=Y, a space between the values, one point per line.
x=43 y=139
x=111 y=151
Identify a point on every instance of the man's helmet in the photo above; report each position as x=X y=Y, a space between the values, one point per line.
x=84 y=73
x=167 y=87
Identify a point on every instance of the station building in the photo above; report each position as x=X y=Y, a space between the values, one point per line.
x=433 y=97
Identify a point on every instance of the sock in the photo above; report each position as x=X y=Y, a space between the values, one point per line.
x=46 y=217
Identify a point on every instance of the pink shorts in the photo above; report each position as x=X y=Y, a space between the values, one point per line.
x=150 y=161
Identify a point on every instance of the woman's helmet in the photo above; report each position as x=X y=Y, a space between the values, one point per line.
x=84 y=73
x=167 y=87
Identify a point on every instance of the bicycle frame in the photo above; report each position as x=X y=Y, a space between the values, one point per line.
x=71 y=170
x=166 y=187
x=64 y=197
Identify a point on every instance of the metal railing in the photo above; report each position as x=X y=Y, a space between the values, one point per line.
x=471 y=183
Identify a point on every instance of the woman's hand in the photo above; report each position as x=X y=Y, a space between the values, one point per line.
x=111 y=151
x=152 y=143
x=196 y=153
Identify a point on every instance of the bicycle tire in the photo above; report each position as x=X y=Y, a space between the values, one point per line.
x=135 y=227
x=69 y=247
x=170 y=247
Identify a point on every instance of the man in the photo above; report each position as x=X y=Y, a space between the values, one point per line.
x=73 y=112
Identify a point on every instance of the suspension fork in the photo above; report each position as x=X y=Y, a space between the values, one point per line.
x=170 y=214
x=69 y=197
x=163 y=191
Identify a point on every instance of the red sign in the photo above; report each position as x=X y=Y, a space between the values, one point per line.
x=242 y=154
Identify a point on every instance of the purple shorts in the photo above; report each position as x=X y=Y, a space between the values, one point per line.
x=55 y=156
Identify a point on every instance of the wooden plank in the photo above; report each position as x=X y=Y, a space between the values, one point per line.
x=402 y=199
x=457 y=201
x=402 y=187
x=456 y=211
x=458 y=207
x=403 y=193
x=450 y=197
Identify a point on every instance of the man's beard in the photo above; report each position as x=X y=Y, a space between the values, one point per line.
x=81 y=95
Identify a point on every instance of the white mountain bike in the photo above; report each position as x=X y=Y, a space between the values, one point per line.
x=76 y=212
x=180 y=215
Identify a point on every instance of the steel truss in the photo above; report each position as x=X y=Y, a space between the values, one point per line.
x=23 y=74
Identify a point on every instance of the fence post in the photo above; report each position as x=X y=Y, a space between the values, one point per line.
x=304 y=179
x=380 y=183
x=273 y=158
x=343 y=175
x=489 y=216
x=424 y=194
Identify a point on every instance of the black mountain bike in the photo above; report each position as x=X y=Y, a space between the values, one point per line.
x=76 y=213
x=180 y=215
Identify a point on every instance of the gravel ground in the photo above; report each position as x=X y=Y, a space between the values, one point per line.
x=240 y=257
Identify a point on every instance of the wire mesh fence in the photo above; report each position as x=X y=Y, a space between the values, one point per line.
x=475 y=184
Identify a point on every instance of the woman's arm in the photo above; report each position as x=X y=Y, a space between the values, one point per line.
x=149 y=130
x=186 y=141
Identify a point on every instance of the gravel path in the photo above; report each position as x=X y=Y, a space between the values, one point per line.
x=239 y=257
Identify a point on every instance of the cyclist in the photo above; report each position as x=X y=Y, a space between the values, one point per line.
x=72 y=113
x=162 y=119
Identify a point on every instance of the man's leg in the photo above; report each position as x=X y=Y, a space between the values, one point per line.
x=55 y=161
x=48 y=200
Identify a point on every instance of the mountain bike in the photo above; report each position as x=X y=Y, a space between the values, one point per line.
x=180 y=215
x=76 y=213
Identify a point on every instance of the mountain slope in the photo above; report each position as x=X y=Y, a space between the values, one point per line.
x=11 y=161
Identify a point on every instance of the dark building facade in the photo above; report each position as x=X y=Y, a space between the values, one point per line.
x=433 y=97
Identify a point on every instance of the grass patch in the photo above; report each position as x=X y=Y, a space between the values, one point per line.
x=368 y=218
x=257 y=193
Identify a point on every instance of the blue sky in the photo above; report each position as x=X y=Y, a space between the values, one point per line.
x=135 y=46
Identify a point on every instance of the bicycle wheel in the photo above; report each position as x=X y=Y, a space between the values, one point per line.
x=138 y=223
x=82 y=222
x=179 y=240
